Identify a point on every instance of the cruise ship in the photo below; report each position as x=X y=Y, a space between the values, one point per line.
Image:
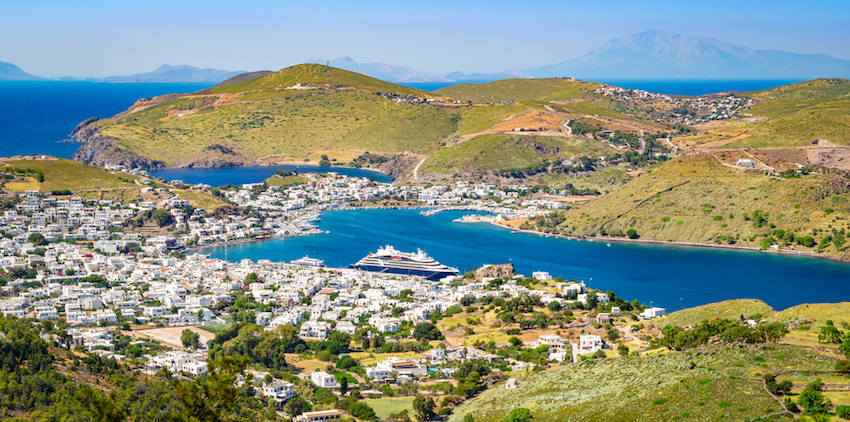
x=308 y=262
x=390 y=260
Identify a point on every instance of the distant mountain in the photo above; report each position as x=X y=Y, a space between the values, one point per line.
x=383 y=71
x=10 y=72
x=182 y=73
x=507 y=74
x=665 y=55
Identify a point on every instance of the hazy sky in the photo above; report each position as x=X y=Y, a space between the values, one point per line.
x=117 y=37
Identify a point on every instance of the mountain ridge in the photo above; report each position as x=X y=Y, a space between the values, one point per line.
x=11 y=72
x=666 y=55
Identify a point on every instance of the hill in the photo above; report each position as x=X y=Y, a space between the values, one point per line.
x=181 y=73
x=704 y=384
x=292 y=114
x=10 y=72
x=798 y=116
x=383 y=71
x=519 y=90
x=730 y=309
x=696 y=199
x=665 y=55
x=60 y=174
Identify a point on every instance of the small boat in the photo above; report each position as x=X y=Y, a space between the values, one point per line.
x=513 y=231
x=609 y=245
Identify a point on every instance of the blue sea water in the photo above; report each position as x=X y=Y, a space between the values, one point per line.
x=694 y=87
x=35 y=115
x=661 y=86
x=667 y=275
x=241 y=175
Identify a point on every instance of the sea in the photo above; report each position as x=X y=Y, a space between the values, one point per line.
x=690 y=87
x=34 y=116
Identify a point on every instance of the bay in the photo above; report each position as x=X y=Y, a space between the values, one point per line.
x=242 y=175
x=665 y=275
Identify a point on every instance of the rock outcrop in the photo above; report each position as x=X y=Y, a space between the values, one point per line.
x=103 y=150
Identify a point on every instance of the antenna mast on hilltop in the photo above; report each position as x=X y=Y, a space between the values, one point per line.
x=328 y=71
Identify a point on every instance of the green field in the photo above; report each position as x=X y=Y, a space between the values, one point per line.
x=386 y=406
x=519 y=90
x=61 y=174
x=502 y=151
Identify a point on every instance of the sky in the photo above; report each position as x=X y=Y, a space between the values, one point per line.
x=106 y=38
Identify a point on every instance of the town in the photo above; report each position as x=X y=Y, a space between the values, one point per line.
x=151 y=302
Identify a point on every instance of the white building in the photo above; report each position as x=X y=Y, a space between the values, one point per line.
x=323 y=379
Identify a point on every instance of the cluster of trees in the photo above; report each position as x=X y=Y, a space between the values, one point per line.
x=368 y=158
x=572 y=190
x=676 y=338
x=324 y=161
x=529 y=170
x=582 y=128
x=30 y=384
x=829 y=333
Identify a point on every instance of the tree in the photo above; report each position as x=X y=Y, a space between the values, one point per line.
x=162 y=217
x=343 y=385
x=613 y=335
x=209 y=398
x=190 y=339
x=623 y=350
x=554 y=306
x=362 y=411
x=520 y=414
x=296 y=406
x=324 y=161
x=632 y=234
x=424 y=407
x=37 y=239
x=346 y=362
x=251 y=278
x=427 y=331
x=468 y=418
x=843 y=411
x=39 y=177
x=842 y=366
x=812 y=399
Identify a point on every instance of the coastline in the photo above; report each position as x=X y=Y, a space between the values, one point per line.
x=607 y=239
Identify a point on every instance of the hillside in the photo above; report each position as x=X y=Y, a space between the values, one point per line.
x=519 y=90
x=61 y=174
x=805 y=115
x=708 y=383
x=696 y=199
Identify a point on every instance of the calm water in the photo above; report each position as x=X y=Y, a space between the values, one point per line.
x=240 y=175
x=659 y=273
x=35 y=115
